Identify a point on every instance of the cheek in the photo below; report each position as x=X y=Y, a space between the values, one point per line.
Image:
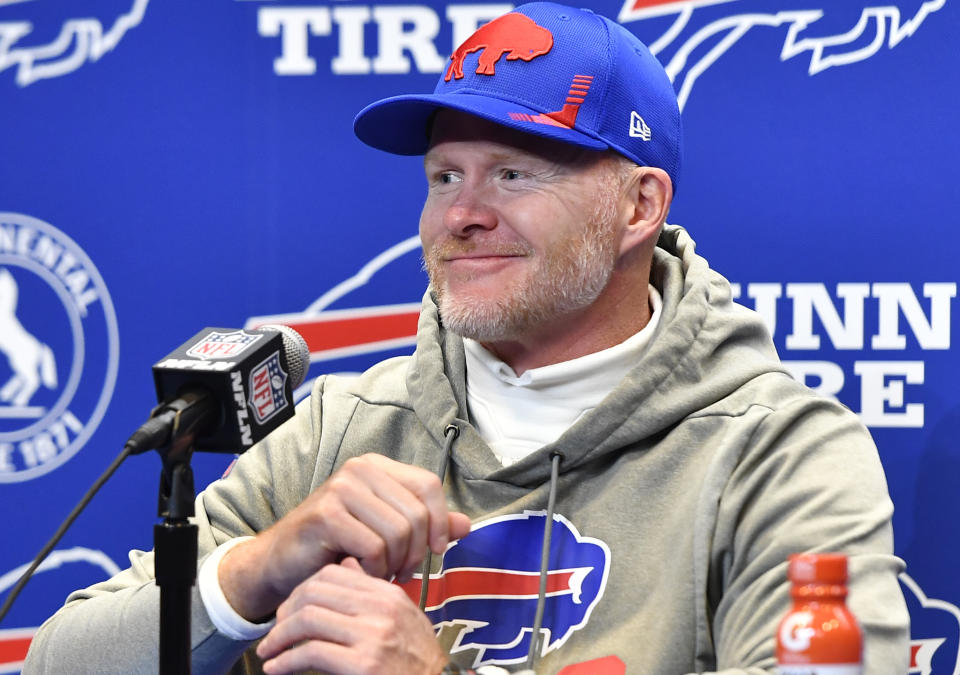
x=431 y=222
x=547 y=222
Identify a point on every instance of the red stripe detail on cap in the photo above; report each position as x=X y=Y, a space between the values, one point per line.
x=557 y=119
x=567 y=116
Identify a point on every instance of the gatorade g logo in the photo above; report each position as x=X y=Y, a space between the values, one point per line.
x=515 y=35
x=795 y=632
x=487 y=587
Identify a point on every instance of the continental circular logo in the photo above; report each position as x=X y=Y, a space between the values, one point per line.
x=59 y=348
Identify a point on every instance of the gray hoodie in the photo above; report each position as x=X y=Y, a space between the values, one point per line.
x=677 y=502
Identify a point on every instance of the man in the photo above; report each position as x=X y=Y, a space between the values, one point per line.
x=599 y=448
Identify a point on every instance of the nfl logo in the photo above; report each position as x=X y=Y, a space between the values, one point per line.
x=217 y=345
x=267 y=381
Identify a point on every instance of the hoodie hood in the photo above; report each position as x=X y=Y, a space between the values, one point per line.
x=686 y=369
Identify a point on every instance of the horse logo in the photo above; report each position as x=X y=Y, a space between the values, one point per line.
x=31 y=361
x=59 y=351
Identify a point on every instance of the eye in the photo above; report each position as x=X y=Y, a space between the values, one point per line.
x=448 y=177
x=512 y=174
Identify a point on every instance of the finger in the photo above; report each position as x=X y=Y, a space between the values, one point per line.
x=428 y=489
x=343 y=588
x=406 y=574
x=404 y=525
x=351 y=563
x=316 y=591
x=459 y=525
x=414 y=512
x=394 y=532
x=313 y=655
x=311 y=622
x=369 y=487
x=350 y=534
x=320 y=531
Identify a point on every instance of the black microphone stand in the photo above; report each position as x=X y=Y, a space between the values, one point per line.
x=175 y=540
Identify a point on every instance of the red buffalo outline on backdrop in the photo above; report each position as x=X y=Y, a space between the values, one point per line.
x=685 y=62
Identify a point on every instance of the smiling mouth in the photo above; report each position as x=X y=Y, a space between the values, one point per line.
x=474 y=266
x=483 y=256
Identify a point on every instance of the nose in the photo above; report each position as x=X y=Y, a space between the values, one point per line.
x=469 y=213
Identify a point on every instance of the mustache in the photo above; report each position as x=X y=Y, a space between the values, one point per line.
x=451 y=247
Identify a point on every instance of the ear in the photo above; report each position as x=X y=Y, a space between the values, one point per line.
x=647 y=198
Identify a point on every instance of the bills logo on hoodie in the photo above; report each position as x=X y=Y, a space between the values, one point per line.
x=488 y=585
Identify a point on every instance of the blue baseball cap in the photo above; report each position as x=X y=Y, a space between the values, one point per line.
x=551 y=70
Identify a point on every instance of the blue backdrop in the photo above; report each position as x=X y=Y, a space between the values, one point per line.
x=166 y=166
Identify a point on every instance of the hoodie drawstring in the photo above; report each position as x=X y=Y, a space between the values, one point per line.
x=535 y=637
x=450 y=434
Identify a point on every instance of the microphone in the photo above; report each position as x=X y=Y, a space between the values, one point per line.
x=221 y=391
x=225 y=387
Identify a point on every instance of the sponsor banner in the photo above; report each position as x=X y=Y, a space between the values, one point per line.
x=150 y=187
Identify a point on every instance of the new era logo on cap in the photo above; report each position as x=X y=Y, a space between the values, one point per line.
x=639 y=128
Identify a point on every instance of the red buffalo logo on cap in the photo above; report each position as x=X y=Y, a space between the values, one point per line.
x=515 y=35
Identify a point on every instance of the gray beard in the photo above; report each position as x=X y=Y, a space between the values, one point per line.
x=563 y=280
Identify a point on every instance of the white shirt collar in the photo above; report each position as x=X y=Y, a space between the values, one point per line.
x=518 y=414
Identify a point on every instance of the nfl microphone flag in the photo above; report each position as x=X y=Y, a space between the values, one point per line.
x=247 y=371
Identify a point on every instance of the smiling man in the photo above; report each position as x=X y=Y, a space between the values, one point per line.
x=594 y=461
x=539 y=249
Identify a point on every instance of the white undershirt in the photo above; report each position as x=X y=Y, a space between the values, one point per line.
x=517 y=415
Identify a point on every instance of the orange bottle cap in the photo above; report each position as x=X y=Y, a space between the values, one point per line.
x=818 y=568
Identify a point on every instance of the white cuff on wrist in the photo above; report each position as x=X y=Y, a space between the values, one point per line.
x=223 y=616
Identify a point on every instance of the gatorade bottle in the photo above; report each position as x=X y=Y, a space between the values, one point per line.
x=819 y=636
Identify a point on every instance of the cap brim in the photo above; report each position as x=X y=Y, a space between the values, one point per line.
x=401 y=124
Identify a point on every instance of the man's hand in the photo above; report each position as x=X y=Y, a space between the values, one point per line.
x=342 y=621
x=380 y=511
